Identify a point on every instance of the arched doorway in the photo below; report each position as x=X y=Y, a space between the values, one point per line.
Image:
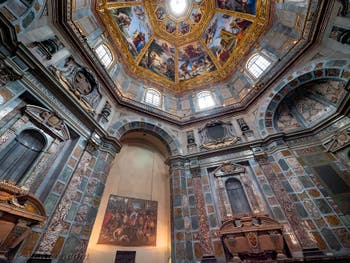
x=135 y=206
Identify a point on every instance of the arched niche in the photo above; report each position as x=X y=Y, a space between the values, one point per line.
x=333 y=70
x=308 y=104
x=235 y=191
x=20 y=155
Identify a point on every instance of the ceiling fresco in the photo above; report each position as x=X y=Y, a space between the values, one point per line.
x=182 y=44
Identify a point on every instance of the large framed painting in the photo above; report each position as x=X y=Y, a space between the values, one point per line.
x=129 y=222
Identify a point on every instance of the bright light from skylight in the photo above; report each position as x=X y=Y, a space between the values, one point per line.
x=178 y=7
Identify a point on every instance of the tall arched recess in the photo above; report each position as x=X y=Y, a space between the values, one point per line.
x=137 y=192
x=20 y=155
x=336 y=69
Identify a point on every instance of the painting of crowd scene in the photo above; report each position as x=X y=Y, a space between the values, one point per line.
x=223 y=34
x=134 y=26
x=194 y=61
x=129 y=222
x=160 y=58
x=244 y=6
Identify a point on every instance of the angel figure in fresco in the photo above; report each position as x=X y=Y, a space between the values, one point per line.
x=160 y=13
x=139 y=40
x=123 y=19
x=184 y=70
x=210 y=32
x=140 y=13
x=227 y=43
x=196 y=16
x=191 y=51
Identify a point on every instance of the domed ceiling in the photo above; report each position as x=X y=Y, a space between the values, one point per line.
x=182 y=44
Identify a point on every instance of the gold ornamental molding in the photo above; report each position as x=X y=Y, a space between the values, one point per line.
x=165 y=68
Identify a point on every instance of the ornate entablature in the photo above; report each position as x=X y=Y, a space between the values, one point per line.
x=227 y=169
x=202 y=45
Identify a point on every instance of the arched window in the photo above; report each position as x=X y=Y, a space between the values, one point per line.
x=153 y=97
x=205 y=100
x=104 y=54
x=17 y=158
x=257 y=65
x=237 y=197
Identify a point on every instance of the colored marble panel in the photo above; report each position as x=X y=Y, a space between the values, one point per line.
x=179 y=236
x=73 y=250
x=287 y=186
x=50 y=203
x=208 y=198
x=344 y=236
x=267 y=189
x=71 y=212
x=59 y=188
x=296 y=184
x=195 y=222
x=314 y=193
x=189 y=250
x=198 y=250
x=29 y=244
x=66 y=173
x=218 y=250
x=57 y=247
x=323 y=206
x=320 y=241
x=301 y=210
x=330 y=238
x=333 y=221
x=283 y=165
x=279 y=216
x=305 y=180
x=311 y=208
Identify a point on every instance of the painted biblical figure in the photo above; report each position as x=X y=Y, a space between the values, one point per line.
x=129 y=222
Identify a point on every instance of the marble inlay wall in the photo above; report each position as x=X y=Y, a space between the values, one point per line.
x=327 y=213
x=275 y=177
x=72 y=206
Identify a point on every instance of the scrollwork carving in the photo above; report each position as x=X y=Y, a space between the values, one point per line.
x=7 y=74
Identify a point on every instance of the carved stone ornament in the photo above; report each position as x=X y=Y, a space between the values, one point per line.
x=19 y=212
x=217 y=134
x=229 y=168
x=339 y=141
x=49 y=120
x=250 y=236
x=105 y=113
x=7 y=74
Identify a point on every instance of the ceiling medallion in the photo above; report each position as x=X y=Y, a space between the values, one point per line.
x=183 y=44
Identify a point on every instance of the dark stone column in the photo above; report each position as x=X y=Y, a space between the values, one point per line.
x=178 y=209
x=191 y=240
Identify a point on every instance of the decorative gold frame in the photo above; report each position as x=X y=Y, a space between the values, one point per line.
x=208 y=8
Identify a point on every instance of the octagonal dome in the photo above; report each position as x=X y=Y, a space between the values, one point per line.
x=182 y=44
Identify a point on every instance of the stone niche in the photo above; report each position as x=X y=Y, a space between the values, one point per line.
x=19 y=212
